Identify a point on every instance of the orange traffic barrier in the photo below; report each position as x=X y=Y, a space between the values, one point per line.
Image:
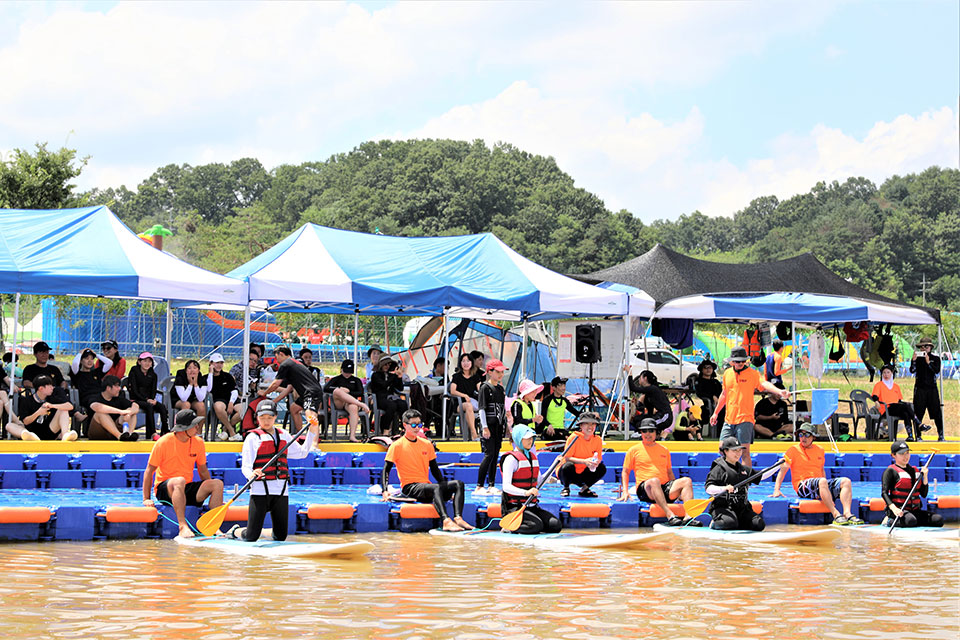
x=24 y=515
x=578 y=510
x=948 y=502
x=813 y=506
x=330 y=511
x=757 y=506
x=657 y=512
x=418 y=511
x=131 y=514
x=494 y=510
x=235 y=513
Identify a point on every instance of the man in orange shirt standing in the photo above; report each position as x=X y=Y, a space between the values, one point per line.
x=172 y=460
x=805 y=462
x=583 y=464
x=415 y=458
x=739 y=383
x=650 y=463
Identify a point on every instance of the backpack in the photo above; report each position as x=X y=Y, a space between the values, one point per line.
x=784 y=331
x=856 y=332
x=886 y=349
x=874 y=358
x=836 y=347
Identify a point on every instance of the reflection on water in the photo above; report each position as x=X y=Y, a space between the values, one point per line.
x=419 y=586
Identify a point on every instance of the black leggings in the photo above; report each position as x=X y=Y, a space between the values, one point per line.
x=926 y=400
x=438 y=494
x=257 y=512
x=726 y=518
x=391 y=410
x=537 y=520
x=918 y=518
x=904 y=410
x=491 y=452
x=150 y=411
x=585 y=479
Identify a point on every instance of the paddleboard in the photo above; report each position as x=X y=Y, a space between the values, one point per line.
x=822 y=535
x=287 y=548
x=918 y=534
x=560 y=540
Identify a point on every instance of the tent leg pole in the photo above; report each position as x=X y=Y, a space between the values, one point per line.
x=523 y=352
x=168 y=335
x=793 y=371
x=446 y=373
x=13 y=349
x=356 y=336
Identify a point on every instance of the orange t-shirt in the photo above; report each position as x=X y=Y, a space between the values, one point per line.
x=739 y=388
x=648 y=462
x=584 y=449
x=175 y=459
x=887 y=396
x=804 y=463
x=412 y=459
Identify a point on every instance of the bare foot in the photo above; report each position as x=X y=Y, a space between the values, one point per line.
x=354 y=439
x=450 y=525
x=463 y=524
x=185 y=531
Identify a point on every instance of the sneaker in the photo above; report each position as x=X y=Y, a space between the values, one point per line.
x=692 y=522
x=586 y=492
x=941 y=439
x=565 y=492
x=29 y=436
x=493 y=491
x=71 y=436
x=222 y=436
x=854 y=520
x=479 y=491
x=925 y=427
x=235 y=438
x=155 y=437
x=886 y=522
x=841 y=521
x=134 y=436
x=674 y=521
x=782 y=436
x=124 y=437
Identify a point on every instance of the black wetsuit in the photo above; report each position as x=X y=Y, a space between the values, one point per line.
x=493 y=415
x=732 y=510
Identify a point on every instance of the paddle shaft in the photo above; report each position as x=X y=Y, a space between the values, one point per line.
x=699 y=505
x=540 y=483
x=272 y=460
x=912 y=489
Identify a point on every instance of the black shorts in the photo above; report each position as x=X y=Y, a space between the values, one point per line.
x=190 y=491
x=311 y=402
x=643 y=497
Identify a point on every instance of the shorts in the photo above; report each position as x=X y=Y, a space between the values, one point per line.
x=190 y=491
x=742 y=431
x=808 y=489
x=642 y=494
x=311 y=402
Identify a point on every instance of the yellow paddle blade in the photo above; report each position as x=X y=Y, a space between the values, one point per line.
x=209 y=523
x=693 y=508
x=511 y=521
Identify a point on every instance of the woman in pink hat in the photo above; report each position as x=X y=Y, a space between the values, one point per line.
x=142 y=385
x=523 y=410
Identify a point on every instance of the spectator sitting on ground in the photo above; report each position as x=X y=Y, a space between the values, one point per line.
x=708 y=388
x=554 y=408
x=223 y=391
x=347 y=391
x=439 y=369
x=772 y=418
x=5 y=406
x=142 y=386
x=114 y=417
x=42 y=367
x=8 y=365
x=44 y=413
x=191 y=389
x=479 y=365
x=111 y=350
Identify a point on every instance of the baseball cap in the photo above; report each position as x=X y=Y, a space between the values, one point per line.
x=216 y=357
x=347 y=366
x=40 y=347
x=495 y=365
x=267 y=407
x=145 y=355
x=558 y=380
x=185 y=419
x=899 y=446
x=109 y=343
x=731 y=443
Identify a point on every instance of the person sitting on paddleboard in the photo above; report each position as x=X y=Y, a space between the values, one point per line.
x=650 y=462
x=805 y=462
x=169 y=470
x=730 y=508
x=521 y=475
x=554 y=410
x=583 y=464
x=415 y=458
x=897 y=481
x=269 y=495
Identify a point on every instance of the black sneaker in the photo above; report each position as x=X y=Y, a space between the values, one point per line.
x=674 y=521
x=565 y=492
x=925 y=427
x=125 y=436
x=692 y=522
x=134 y=436
x=586 y=492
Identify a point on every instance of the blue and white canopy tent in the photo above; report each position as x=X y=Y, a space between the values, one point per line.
x=89 y=252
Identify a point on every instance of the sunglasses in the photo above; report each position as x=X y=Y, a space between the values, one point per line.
x=648 y=430
x=804 y=435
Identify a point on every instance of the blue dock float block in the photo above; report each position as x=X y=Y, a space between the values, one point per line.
x=232 y=477
x=373 y=516
x=223 y=460
x=949 y=513
x=306 y=524
x=764 y=460
x=545 y=459
x=167 y=526
x=75 y=523
x=613 y=458
x=843 y=472
x=776 y=510
x=625 y=514
x=447 y=457
x=937 y=473
x=372 y=459
x=336 y=459
x=697 y=474
x=11 y=462
x=114 y=478
x=850 y=460
x=49 y=461
x=703 y=459
x=96 y=461
x=316 y=476
x=356 y=475
x=952 y=474
x=19 y=480
x=131 y=461
x=953 y=460
x=27 y=531
x=306 y=461
x=474 y=457
x=679 y=459
x=829 y=459
x=871 y=474
x=68 y=479
x=612 y=474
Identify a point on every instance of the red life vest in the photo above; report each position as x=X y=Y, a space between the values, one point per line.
x=267 y=449
x=524 y=477
x=900 y=490
x=751 y=342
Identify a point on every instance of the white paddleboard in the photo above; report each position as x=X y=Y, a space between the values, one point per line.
x=287 y=548
x=560 y=540
x=918 y=534
x=820 y=535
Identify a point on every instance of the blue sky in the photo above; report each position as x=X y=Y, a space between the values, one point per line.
x=659 y=108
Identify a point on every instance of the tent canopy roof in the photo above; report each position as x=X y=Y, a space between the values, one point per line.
x=89 y=252
x=335 y=271
x=667 y=275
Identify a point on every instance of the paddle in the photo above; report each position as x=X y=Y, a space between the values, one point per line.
x=511 y=521
x=912 y=489
x=210 y=522
x=693 y=508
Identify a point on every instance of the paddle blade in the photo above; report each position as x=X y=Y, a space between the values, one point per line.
x=209 y=523
x=511 y=521
x=693 y=508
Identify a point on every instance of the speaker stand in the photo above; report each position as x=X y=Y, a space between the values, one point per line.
x=591 y=397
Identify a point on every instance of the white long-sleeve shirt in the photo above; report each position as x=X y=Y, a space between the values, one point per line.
x=107 y=363
x=200 y=392
x=510 y=465
x=249 y=454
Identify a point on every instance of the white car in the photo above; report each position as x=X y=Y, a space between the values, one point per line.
x=662 y=362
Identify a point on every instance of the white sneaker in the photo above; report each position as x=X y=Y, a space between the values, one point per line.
x=480 y=491
x=29 y=436
x=235 y=438
x=222 y=436
x=493 y=491
x=375 y=490
x=71 y=436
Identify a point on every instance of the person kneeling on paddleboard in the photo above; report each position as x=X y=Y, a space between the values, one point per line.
x=731 y=508
x=805 y=462
x=896 y=483
x=413 y=456
x=269 y=493
x=170 y=470
x=521 y=475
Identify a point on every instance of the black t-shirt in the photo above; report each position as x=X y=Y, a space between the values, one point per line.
x=120 y=402
x=654 y=399
x=31 y=371
x=467 y=385
x=88 y=384
x=708 y=388
x=142 y=386
x=765 y=408
x=222 y=386
x=291 y=372
x=352 y=384
x=28 y=405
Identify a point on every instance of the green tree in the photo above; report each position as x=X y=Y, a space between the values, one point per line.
x=40 y=180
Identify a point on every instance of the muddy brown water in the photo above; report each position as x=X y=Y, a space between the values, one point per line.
x=420 y=586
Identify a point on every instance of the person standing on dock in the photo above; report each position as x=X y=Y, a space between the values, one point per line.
x=170 y=467
x=493 y=420
x=415 y=458
x=926 y=397
x=805 y=462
